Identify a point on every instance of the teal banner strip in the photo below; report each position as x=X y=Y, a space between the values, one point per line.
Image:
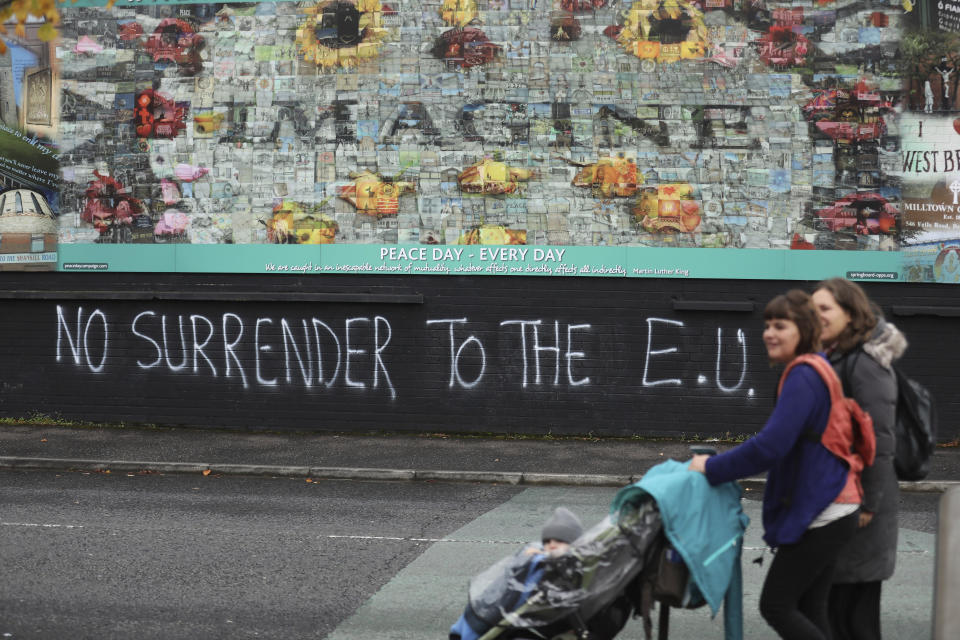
x=117 y=257
x=248 y=258
x=475 y=260
x=855 y=265
x=608 y=262
x=658 y=262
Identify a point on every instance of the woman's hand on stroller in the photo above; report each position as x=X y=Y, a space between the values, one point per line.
x=698 y=463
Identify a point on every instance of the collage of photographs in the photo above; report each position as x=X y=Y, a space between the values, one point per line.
x=735 y=124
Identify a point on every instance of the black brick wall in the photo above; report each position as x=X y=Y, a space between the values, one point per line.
x=642 y=355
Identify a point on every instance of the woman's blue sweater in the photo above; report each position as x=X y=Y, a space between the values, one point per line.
x=804 y=477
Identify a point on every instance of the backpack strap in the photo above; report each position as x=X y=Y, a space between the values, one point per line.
x=853 y=440
x=809 y=435
x=864 y=439
x=823 y=368
x=827 y=373
x=849 y=362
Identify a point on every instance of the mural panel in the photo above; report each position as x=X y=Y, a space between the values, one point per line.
x=363 y=126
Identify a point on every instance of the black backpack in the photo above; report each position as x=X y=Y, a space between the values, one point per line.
x=915 y=424
x=915 y=428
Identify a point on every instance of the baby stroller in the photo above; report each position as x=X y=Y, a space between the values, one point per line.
x=670 y=538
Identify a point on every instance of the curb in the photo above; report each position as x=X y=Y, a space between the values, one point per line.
x=16 y=463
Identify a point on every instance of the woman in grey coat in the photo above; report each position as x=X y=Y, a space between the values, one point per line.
x=862 y=348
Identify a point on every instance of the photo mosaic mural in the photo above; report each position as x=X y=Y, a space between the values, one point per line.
x=406 y=132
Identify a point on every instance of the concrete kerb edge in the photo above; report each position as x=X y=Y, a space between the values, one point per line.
x=492 y=477
x=259 y=470
x=360 y=473
x=154 y=467
x=72 y=464
x=576 y=479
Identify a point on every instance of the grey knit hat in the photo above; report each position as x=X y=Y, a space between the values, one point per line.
x=562 y=526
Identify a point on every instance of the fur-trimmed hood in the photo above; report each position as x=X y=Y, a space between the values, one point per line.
x=886 y=344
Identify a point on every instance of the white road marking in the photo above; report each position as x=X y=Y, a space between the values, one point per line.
x=402 y=539
x=40 y=524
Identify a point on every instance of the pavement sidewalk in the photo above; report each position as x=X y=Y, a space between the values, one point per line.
x=531 y=461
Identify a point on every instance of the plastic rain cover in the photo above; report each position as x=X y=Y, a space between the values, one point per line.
x=529 y=591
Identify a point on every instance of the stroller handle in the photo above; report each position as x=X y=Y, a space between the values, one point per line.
x=700 y=449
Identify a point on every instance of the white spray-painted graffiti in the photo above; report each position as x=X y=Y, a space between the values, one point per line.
x=194 y=342
x=78 y=344
x=536 y=347
x=456 y=352
x=741 y=340
x=354 y=351
x=658 y=352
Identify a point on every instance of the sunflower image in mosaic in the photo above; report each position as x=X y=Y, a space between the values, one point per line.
x=458 y=13
x=293 y=223
x=493 y=234
x=373 y=195
x=609 y=177
x=663 y=30
x=668 y=207
x=491 y=177
x=341 y=33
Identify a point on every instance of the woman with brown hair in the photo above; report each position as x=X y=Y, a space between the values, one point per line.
x=808 y=514
x=861 y=346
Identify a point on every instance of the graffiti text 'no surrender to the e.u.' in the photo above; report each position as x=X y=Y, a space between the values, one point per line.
x=356 y=352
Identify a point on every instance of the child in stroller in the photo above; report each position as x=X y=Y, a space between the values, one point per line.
x=557 y=534
x=569 y=587
x=589 y=590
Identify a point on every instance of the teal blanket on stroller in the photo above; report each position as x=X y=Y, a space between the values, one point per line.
x=705 y=524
